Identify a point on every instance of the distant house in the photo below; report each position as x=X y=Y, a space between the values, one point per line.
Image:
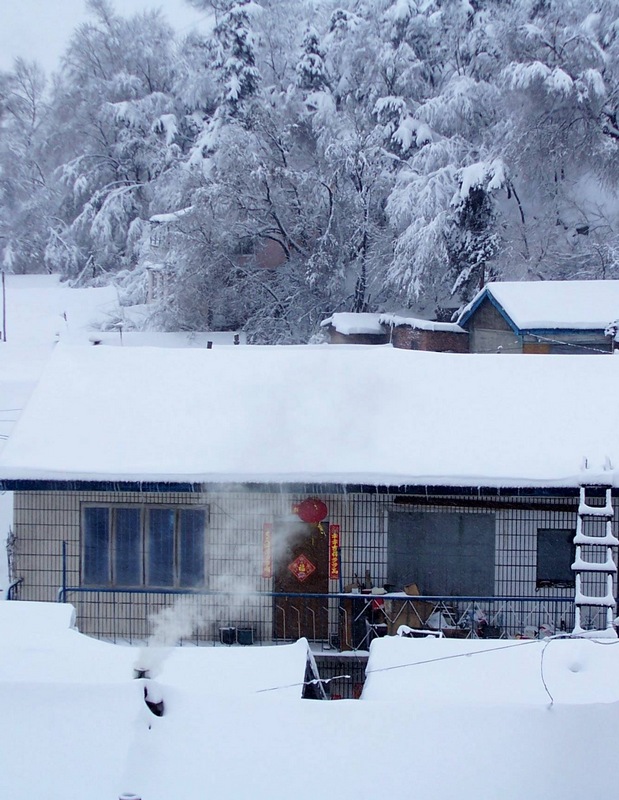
x=542 y=317
x=411 y=333
x=264 y=485
x=355 y=328
x=406 y=333
x=262 y=251
x=576 y=317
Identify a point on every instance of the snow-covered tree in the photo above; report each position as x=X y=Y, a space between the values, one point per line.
x=121 y=130
x=319 y=156
x=311 y=69
x=26 y=196
x=235 y=64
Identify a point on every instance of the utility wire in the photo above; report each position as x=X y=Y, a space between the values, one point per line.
x=312 y=682
x=519 y=643
x=514 y=349
x=571 y=344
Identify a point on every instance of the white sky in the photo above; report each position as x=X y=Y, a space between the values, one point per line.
x=40 y=29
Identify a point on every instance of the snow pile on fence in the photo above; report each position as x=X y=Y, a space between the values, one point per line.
x=500 y=671
x=76 y=725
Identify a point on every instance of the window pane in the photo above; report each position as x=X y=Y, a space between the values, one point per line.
x=127 y=547
x=160 y=547
x=96 y=546
x=555 y=555
x=191 y=547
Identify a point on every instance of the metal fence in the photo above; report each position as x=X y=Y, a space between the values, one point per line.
x=331 y=622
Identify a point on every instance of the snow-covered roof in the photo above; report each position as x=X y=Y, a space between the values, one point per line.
x=39 y=311
x=548 y=305
x=352 y=414
x=172 y=216
x=418 y=323
x=350 y=323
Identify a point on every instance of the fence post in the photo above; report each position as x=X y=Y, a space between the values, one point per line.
x=63 y=593
x=129 y=796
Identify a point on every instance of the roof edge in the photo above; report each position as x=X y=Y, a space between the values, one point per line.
x=25 y=485
x=486 y=293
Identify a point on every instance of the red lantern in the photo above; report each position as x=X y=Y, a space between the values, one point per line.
x=312 y=510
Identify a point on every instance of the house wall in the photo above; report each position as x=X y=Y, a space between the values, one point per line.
x=568 y=342
x=490 y=333
x=335 y=337
x=234 y=547
x=408 y=338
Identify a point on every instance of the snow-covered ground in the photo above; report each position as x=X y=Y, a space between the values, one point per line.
x=438 y=719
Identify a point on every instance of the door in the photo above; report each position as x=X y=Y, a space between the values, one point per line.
x=300 y=566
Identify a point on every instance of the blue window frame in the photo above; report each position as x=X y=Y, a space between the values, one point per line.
x=127 y=547
x=96 y=545
x=148 y=546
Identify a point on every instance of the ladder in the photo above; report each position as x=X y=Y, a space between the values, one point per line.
x=594 y=566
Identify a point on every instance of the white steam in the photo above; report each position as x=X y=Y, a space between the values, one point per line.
x=231 y=596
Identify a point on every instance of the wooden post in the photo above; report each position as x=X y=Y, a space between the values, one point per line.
x=3 y=307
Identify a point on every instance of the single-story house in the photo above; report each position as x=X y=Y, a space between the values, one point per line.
x=542 y=317
x=405 y=332
x=282 y=491
x=348 y=327
x=558 y=317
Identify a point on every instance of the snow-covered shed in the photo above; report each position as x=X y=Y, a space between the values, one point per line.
x=406 y=332
x=412 y=333
x=265 y=482
x=542 y=317
x=347 y=327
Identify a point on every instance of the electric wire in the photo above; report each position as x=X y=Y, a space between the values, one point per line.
x=514 y=643
x=539 y=338
x=571 y=344
x=312 y=682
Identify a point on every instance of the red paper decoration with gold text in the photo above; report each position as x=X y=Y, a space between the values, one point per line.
x=312 y=510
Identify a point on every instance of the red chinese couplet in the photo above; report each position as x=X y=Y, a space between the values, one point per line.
x=334 y=548
x=267 y=550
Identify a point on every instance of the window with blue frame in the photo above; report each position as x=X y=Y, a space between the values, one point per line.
x=143 y=546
